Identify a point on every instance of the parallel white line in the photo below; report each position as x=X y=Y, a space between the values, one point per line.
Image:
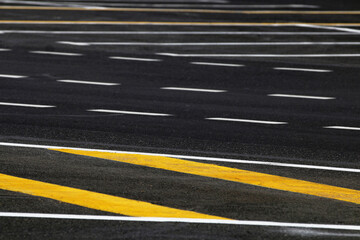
x=86 y=6
x=301 y=96
x=261 y=55
x=25 y=105
x=182 y=220
x=200 y=158
x=246 y=120
x=4 y=50
x=217 y=64
x=194 y=89
x=343 y=128
x=136 y=59
x=87 y=82
x=130 y=112
x=302 y=69
x=11 y=76
x=343 y=29
x=56 y=53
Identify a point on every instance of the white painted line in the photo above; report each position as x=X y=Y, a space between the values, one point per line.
x=136 y=59
x=343 y=128
x=130 y=112
x=11 y=76
x=200 y=158
x=194 y=89
x=261 y=55
x=182 y=220
x=343 y=29
x=217 y=64
x=246 y=121
x=90 y=83
x=56 y=53
x=4 y=50
x=301 y=96
x=25 y=105
x=302 y=69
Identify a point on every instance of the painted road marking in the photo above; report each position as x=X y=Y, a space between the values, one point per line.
x=4 y=50
x=302 y=69
x=218 y=64
x=25 y=105
x=229 y=174
x=11 y=76
x=301 y=96
x=246 y=121
x=56 y=53
x=343 y=128
x=136 y=59
x=94 y=200
x=260 y=55
x=130 y=112
x=331 y=28
x=200 y=158
x=181 y=220
x=194 y=89
x=90 y=83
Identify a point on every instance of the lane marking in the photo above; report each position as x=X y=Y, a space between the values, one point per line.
x=130 y=112
x=11 y=76
x=260 y=55
x=94 y=200
x=200 y=158
x=4 y=50
x=70 y=4
x=218 y=64
x=350 y=30
x=25 y=105
x=181 y=220
x=56 y=53
x=343 y=128
x=194 y=89
x=90 y=83
x=229 y=174
x=246 y=120
x=302 y=69
x=301 y=96
x=136 y=59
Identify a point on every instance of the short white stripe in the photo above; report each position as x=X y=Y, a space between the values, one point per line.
x=214 y=159
x=136 y=59
x=91 y=83
x=25 y=105
x=260 y=55
x=12 y=76
x=302 y=69
x=300 y=96
x=4 y=50
x=129 y=112
x=246 y=120
x=343 y=128
x=56 y=53
x=194 y=89
x=218 y=64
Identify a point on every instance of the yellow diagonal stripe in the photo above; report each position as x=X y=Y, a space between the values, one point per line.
x=230 y=174
x=94 y=200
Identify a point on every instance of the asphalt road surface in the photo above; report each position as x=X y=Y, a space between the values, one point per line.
x=189 y=119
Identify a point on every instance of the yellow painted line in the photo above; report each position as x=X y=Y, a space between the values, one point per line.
x=94 y=200
x=174 y=23
x=229 y=174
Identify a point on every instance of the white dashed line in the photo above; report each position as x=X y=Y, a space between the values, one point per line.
x=136 y=59
x=4 y=50
x=194 y=89
x=302 y=69
x=130 y=112
x=11 y=76
x=301 y=96
x=90 y=83
x=217 y=64
x=261 y=55
x=343 y=128
x=56 y=53
x=25 y=105
x=246 y=121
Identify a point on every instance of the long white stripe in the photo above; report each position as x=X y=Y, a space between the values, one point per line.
x=343 y=128
x=302 y=69
x=217 y=64
x=56 y=53
x=343 y=29
x=214 y=159
x=246 y=120
x=130 y=112
x=261 y=55
x=25 y=105
x=193 y=89
x=12 y=76
x=136 y=59
x=300 y=96
x=87 y=82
